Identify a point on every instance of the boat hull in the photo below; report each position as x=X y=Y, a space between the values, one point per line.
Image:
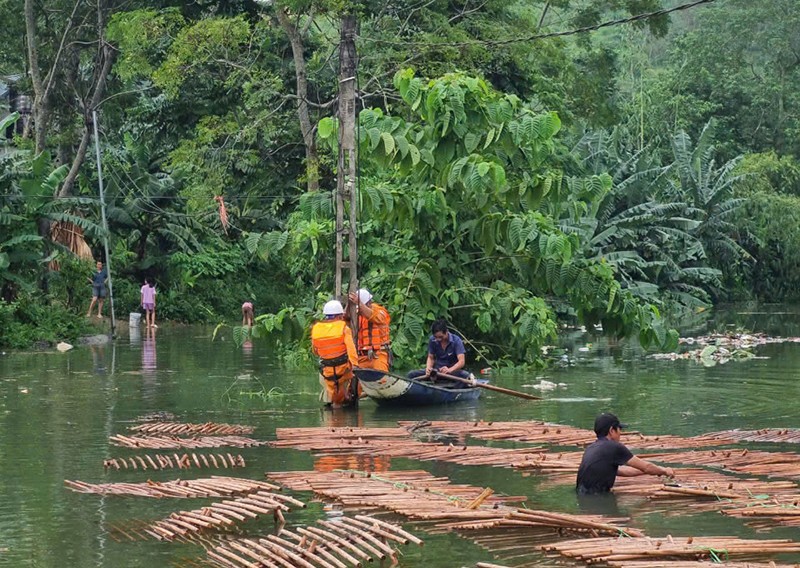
x=388 y=390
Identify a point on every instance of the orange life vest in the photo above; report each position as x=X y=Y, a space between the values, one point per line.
x=327 y=339
x=373 y=335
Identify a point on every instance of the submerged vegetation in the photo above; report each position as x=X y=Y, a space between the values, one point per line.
x=513 y=185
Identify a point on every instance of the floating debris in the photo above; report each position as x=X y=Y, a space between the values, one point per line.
x=186 y=461
x=180 y=429
x=709 y=355
x=344 y=542
x=611 y=550
x=737 y=340
x=183 y=489
x=173 y=442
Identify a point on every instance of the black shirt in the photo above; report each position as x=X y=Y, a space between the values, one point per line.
x=598 y=470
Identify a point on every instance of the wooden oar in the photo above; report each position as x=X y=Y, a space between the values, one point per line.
x=489 y=387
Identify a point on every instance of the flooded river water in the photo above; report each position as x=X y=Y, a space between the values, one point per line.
x=57 y=411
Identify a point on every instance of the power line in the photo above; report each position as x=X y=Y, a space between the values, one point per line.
x=586 y=29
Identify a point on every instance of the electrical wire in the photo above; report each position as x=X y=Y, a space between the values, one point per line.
x=535 y=37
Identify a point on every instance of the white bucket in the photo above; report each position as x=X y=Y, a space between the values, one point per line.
x=134 y=318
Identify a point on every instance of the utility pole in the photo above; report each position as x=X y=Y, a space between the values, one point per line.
x=105 y=223
x=347 y=181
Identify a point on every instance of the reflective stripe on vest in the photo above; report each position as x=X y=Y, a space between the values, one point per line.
x=327 y=338
x=372 y=335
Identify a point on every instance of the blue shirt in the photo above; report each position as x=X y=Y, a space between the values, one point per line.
x=98 y=279
x=447 y=356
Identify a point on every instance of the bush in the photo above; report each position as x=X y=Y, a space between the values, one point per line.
x=771 y=225
x=30 y=320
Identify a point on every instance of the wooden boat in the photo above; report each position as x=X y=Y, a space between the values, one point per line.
x=391 y=389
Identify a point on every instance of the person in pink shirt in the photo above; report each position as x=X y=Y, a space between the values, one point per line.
x=149 y=302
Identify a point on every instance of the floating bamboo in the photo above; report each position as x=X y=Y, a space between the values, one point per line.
x=222 y=515
x=419 y=495
x=612 y=550
x=771 y=435
x=187 y=489
x=181 y=429
x=695 y=564
x=185 y=461
x=173 y=442
x=534 y=431
x=753 y=462
x=337 y=543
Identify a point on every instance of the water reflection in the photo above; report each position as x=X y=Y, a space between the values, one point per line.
x=247 y=355
x=98 y=359
x=149 y=365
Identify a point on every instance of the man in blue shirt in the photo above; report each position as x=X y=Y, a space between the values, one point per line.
x=446 y=354
x=98 y=281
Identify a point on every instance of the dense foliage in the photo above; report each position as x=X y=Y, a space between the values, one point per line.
x=512 y=185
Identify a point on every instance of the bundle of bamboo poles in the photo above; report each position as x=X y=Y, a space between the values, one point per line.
x=765 y=513
x=188 y=489
x=223 y=515
x=421 y=496
x=534 y=431
x=771 y=435
x=408 y=448
x=186 y=461
x=336 y=543
x=611 y=550
x=174 y=443
x=342 y=433
x=696 y=564
x=181 y=429
x=739 y=460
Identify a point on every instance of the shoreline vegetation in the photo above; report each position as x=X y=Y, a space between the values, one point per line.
x=630 y=177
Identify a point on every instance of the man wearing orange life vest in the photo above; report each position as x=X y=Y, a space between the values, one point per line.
x=332 y=342
x=374 y=347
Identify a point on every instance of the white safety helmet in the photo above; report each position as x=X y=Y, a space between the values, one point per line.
x=333 y=308
x=364 y=297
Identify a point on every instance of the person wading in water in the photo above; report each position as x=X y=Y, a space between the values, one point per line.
x=607 y=458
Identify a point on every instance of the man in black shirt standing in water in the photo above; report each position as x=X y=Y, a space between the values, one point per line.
x=607 y=458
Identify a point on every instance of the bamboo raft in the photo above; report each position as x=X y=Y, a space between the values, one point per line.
x=214 y=486
x=768 y=435
x=175 y=443
x=420 y=496
x=696 y=564
x=613 y=550
x=223 y=515
x=763 y=514
x=558 y=434
x=186 y=461
x=181 y=429
x=346 y=541
x=769 y=464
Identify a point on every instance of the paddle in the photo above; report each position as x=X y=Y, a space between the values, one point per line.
x=489 y=387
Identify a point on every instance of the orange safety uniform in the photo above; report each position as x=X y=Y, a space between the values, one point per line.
x=332 y=342
x=374 y=346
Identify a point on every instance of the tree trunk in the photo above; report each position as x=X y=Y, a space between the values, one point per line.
x=39 y=108
x=104 y=59
x=296 y=40
x=346 y=183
